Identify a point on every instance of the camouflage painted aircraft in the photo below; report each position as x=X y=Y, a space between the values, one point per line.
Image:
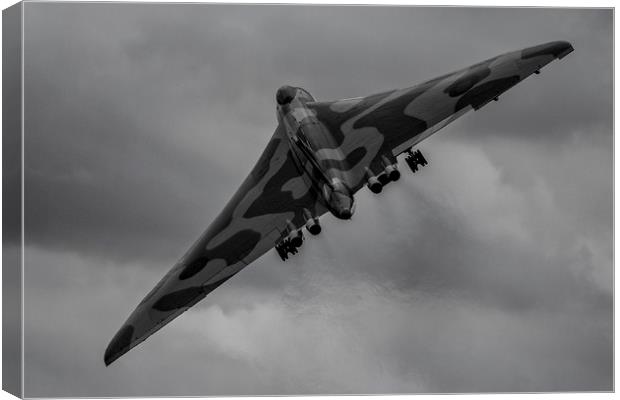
x=321 y=154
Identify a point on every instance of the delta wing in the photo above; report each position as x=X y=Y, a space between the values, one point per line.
x=378 y=128
x=271 y=199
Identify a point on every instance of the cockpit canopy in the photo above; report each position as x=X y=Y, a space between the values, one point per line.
x=285 y=95
x=304 y=96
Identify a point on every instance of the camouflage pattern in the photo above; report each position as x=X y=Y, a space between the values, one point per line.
x=318 y=146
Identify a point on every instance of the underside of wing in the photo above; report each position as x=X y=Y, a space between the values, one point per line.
x=271 y=199
x=387 y=124
x=276 y=198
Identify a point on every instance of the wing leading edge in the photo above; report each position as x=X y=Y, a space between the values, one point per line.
x=253 y=220
x=389 y=123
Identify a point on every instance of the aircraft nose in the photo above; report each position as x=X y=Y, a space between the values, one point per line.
x=558 y=49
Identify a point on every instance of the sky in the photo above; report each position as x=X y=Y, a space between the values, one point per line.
x=488 y=270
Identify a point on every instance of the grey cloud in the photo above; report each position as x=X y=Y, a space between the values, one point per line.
x=156 y=95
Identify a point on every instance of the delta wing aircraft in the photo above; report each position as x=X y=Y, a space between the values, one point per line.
x=321 y=154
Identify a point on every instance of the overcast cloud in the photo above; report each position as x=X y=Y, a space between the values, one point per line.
x=489 y=270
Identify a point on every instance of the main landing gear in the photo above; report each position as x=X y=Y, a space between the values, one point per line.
x=292 y=239
x=415 y=158
x=284 y=247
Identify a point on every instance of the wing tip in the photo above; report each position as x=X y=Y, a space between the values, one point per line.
x=119 y=345
x=567 y=49
x=127 y=337
x=109 y=358
x=558 y=49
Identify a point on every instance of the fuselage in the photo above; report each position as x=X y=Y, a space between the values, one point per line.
x=315 y=151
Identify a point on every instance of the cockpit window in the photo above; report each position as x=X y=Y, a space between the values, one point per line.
x=304 y=95
x=285 y=95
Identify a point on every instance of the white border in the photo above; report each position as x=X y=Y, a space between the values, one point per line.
x=477 y=3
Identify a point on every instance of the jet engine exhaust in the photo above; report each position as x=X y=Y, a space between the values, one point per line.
x=313 y=226
x=296 y=238
x=373 y=182
x=374 y=185
x=392 y=172
x=312 y=223
x=390 y=169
